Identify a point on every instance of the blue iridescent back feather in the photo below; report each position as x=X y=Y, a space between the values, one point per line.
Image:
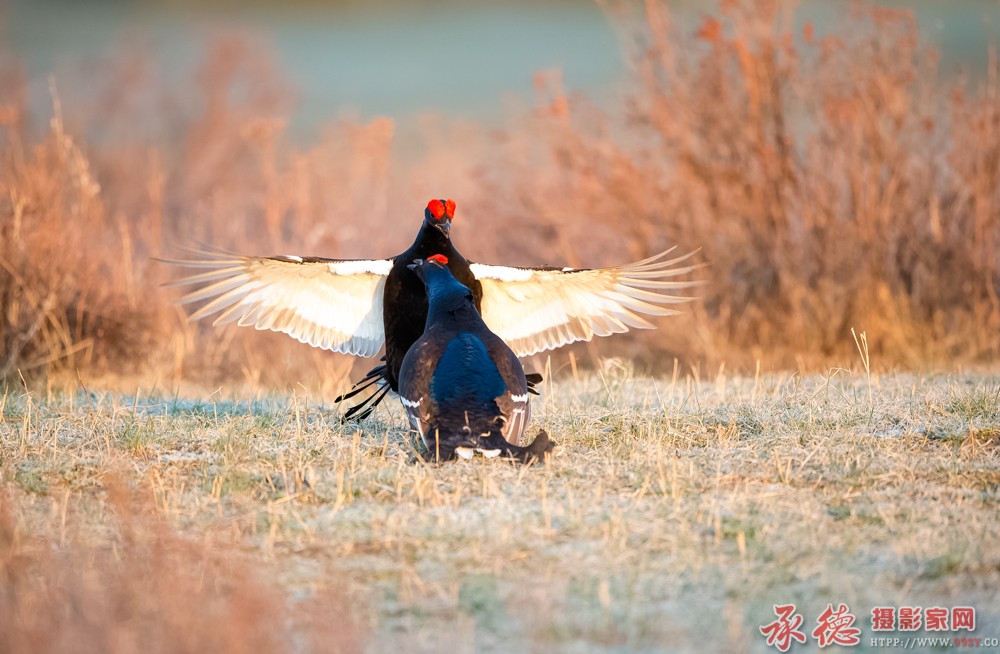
x=466 y=373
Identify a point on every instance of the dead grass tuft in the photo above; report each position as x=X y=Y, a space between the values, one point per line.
x=130 y=582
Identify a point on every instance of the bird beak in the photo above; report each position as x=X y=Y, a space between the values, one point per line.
x=418 y=268
x=444 y=227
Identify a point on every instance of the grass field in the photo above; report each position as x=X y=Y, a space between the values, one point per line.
x=831 y=175
x=673 y=515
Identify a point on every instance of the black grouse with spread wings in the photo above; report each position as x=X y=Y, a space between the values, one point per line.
x=354 y=306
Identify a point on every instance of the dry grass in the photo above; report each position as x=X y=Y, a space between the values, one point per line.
x=100 y=571
x=674 y=513
x=833 y=180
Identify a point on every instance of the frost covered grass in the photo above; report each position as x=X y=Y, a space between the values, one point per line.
x=674 y=513
x=831 y=175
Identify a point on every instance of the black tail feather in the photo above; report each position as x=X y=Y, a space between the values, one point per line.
x=374 y=376
x=533 y=379
x=364 y=408
x=377 y=377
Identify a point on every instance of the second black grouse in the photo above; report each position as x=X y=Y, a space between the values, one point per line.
x=463 y=388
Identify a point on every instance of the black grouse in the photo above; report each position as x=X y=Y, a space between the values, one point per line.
x=463 y=389
x=353 y=306
x=344 y=305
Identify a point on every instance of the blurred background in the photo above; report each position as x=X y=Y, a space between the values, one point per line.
x=402 y=59
x=836 y=163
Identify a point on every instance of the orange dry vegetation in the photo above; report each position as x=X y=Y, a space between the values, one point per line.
x=144 y=587
x=832 y=181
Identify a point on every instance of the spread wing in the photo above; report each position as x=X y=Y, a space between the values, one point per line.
x=332 y=304
x=537 y=309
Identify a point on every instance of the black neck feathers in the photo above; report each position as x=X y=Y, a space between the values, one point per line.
x=449 y=301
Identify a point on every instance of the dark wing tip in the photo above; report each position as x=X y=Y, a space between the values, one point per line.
x=542 y=443
x=539 y=449
x=533 y=379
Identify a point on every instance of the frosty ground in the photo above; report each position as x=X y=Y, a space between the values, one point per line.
x=673 y=515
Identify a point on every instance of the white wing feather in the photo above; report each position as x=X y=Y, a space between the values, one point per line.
x=537 y=309
x=326 y=303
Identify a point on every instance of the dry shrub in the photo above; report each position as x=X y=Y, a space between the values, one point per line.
x=142 y=587
x=58 y=298
x=165 y=166
x=832 y=181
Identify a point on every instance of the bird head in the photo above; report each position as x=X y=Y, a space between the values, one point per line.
x=434 y=267
x=439 y=214
x=438 y=280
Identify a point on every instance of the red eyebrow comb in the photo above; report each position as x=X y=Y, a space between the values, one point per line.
x=438 y=258
x=437 y=209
